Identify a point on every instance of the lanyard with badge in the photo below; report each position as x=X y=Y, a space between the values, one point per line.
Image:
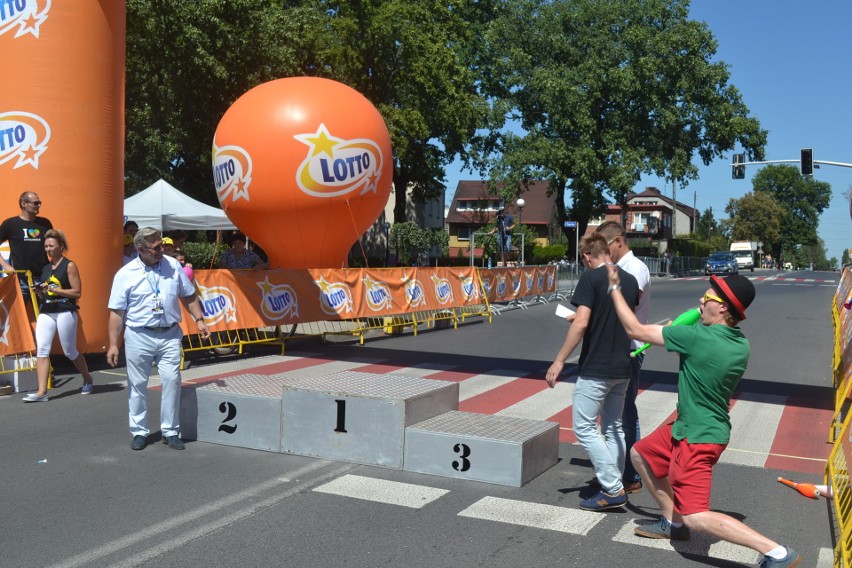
x=156 y=301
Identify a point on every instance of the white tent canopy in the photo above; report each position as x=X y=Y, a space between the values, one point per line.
x=164 y=207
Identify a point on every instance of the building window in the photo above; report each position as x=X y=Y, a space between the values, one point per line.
x=464 y=233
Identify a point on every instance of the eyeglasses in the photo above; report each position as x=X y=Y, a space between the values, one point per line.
x=712 y=298
x=157 y=248
x=36 y=203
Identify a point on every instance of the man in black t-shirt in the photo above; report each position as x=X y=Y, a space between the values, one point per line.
x=25 y=234
x=604 y=371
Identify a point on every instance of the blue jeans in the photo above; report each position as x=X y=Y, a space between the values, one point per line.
x=630 y=416
x=601 y=398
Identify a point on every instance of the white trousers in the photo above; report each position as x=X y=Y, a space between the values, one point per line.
x=142 y=349
x=47 y=325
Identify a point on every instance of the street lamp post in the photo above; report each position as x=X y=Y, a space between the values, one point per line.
x=520 y=203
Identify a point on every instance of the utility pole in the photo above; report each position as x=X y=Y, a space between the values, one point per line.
x=674 y=209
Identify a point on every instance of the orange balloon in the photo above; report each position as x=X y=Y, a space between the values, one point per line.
x=303 y=167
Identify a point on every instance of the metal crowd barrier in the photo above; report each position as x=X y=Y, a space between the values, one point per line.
x=23 y=362
x=837 y=467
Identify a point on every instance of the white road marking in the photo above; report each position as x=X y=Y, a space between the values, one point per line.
x=700 y=544
x=754 y=424
x=382 y=491
x=542 y=405
x=537 y=515
x=479 y=384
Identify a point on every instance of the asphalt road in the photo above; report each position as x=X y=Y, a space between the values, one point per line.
x=74 y=494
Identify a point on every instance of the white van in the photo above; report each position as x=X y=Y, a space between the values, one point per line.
x=743 y=251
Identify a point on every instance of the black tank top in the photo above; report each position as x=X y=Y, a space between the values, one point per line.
x=56 y=278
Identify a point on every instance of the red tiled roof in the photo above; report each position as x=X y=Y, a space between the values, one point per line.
x=538 y=206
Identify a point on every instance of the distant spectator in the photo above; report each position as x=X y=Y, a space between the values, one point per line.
x=187 y=268
x=179 y=238
x=168 y=246
x=130 y=228
x=129 y=250
x=238 y=256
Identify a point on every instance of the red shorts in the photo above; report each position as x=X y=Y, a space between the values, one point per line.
x=689 y=467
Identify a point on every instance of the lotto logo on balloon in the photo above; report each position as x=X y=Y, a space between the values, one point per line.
x=25 y=15
x=303 y=167
x=23 y=138
x=335 y=166
x=231 y=173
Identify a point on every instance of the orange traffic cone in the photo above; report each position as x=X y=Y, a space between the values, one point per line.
x=806 y=489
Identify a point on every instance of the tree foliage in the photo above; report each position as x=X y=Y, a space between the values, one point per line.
x=412 y=242
x=803 y=200
x=756 y=216
x=189 y=60
x=606 y=90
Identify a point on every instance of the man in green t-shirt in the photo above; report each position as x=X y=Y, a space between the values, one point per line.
x=676 y=461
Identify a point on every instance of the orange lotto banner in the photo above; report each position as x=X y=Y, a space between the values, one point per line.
x=260 y=298
x=15 y=333
x=507 y=284
x=62 y=132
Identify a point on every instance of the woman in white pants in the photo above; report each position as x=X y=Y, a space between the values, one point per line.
x=58 y=292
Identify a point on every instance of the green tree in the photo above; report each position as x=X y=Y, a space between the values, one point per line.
x=707 y=225
x=187 y=62
x=413 y=242
x=803 y=200
x=756 y=216
x=606 y=90
x=413 y=61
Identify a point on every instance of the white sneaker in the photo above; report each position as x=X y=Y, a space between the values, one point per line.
x=87 y=389
x=34 y=397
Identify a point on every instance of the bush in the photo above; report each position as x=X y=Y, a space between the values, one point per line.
x=543 y=255
x=200 y=255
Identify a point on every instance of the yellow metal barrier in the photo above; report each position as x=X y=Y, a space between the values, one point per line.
x=23 y=362
x=837 y=467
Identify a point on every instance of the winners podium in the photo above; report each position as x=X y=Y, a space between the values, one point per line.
x=387 y=420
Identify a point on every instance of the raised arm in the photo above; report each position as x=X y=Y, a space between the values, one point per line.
x=649 y=333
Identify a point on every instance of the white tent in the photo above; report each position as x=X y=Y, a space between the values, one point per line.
x=164 y=207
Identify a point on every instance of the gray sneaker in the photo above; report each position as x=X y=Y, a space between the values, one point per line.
x=661 y=528
x=792 y=559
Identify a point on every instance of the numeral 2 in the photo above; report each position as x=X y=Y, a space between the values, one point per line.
x=230 y=412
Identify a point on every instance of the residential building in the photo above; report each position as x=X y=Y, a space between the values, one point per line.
x=649 y=216
x=474 y=207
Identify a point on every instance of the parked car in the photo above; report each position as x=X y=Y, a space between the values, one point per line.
x=721 y=263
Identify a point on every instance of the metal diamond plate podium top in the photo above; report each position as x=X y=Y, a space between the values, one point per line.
x=368 y=385
x=250 y=385
x=487 y=426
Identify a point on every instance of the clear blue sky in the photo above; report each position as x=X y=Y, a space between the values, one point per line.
x=791 y=63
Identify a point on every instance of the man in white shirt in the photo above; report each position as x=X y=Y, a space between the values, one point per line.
x=621 y=255
x=145 y=312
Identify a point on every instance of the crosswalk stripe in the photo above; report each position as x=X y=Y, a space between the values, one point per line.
x=655 y=405
x=479 y=384
x=700 y=545
x=754 y=421
x=382 y=491
x=535 y=515
x=542 y=405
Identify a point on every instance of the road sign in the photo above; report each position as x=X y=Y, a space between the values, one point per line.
x=570 y=224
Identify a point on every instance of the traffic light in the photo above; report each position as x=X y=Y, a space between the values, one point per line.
x=738 y=171
x=807 y=159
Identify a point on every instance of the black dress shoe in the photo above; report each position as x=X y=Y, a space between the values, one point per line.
x=173 y=442
x=139 y=442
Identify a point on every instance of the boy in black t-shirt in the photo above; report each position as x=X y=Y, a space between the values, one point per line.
x=604 y=371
